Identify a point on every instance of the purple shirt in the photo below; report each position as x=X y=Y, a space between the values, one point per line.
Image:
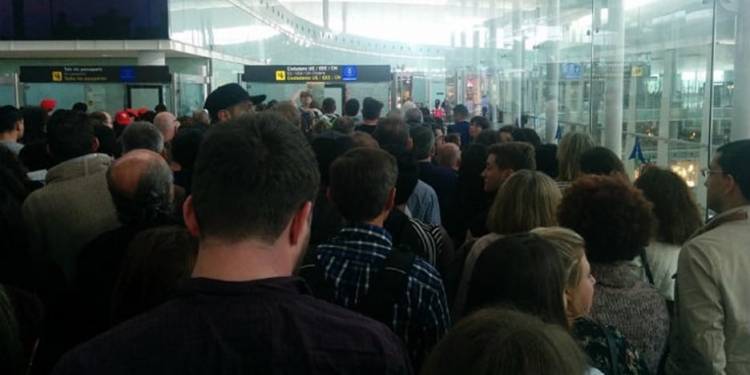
x=270 y=326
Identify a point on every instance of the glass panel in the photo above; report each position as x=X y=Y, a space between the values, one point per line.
x=190 y=98
x=667 y=73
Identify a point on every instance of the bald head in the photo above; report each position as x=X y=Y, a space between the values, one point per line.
x=449 y=156
x=167 y=125
x=140 y=183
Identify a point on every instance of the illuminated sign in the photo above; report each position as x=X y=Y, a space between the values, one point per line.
x=316 y=73
x=95 y=74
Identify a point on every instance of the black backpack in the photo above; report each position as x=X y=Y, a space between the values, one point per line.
x=388 y=288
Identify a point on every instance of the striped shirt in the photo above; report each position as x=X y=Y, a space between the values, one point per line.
x=351 y=261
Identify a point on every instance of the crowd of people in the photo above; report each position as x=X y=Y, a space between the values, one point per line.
x=282 y=237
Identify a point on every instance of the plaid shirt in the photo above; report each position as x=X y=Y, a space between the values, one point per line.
x=352 y=259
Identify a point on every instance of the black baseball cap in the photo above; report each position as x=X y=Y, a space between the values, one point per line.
x=227 y=96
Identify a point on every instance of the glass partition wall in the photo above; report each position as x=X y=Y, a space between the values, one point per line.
x=665 y=74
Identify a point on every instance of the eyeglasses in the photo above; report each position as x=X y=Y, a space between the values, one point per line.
x=707 y=172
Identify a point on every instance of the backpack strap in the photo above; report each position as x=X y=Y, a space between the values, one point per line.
x=646 y=267
x=313 y=275
x=389 y=287
x=612 y=344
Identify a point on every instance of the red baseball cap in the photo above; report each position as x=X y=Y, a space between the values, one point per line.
x=123 y=118
x=48 y=104
x=132 y=112
x=142 y=111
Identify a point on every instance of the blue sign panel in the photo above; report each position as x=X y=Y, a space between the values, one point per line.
x=572 y=71
x=349 y=73
x=127 y=74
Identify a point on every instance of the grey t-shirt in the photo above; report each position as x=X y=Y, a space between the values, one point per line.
x=14 y=147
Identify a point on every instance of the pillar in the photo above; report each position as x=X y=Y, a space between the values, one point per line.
x=741 y=115
x=326 y=15
x=631 y=128
x=551 y=96
x=614 y=83
x=667 y=90
x=517 y=104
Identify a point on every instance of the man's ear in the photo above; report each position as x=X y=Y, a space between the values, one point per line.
x=95 y=144
x=409 y=144
x=329 y=196
x=507 y=173
x=188 y=214
x=391 y=202
x=300 y=222
x=224 y=115
x=730 y=184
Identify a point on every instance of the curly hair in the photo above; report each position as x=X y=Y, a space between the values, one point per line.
x=614 y=218
x=674 y=205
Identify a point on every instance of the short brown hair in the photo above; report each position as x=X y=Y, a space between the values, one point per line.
x=569 y=151
x=613 y=217
x=527 y=200
x=290 y=112
x=251 y=175
x=344 y=124
x=505 y=342
x=674 y=205
x=361 y=181
x=514 y=155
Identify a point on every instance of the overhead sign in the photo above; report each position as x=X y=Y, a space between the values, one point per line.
x=95 y=74
x=572 y=71
x=316 y=73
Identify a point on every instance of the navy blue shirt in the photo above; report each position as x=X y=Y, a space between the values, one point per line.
x=270 y=326
x=463 y=129
x=445 y=183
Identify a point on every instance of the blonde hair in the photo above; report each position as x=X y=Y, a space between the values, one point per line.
x=569 y=151
x=571 y=247
x=527 y=200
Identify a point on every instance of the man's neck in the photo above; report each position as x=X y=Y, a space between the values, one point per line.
x=370 y=122
x=733 y=204
x=426 y=160
x=242 y=261
x=9 y=136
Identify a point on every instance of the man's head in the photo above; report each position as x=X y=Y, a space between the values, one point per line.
x=393 y=135
x=351 y=108
x=80 y=107
x=185 y=146
x=344 y=125
x=140 y=183
x=414 y=116
x=362 y=184
x=424 y=142
x=142 y=135
x=306 y=99
x=329 y=106
x=103 y=117
x=167 y=125
x=230 y=101
x=71 y=135
x=11 y=122
x=160 y=108
x=460 y=113
x=255 y=180
x=506 y=133
x=327 y=147
x=503 y=160
x=728 y=177
x=477 y=124
x=371 y=109
x=449 y=156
